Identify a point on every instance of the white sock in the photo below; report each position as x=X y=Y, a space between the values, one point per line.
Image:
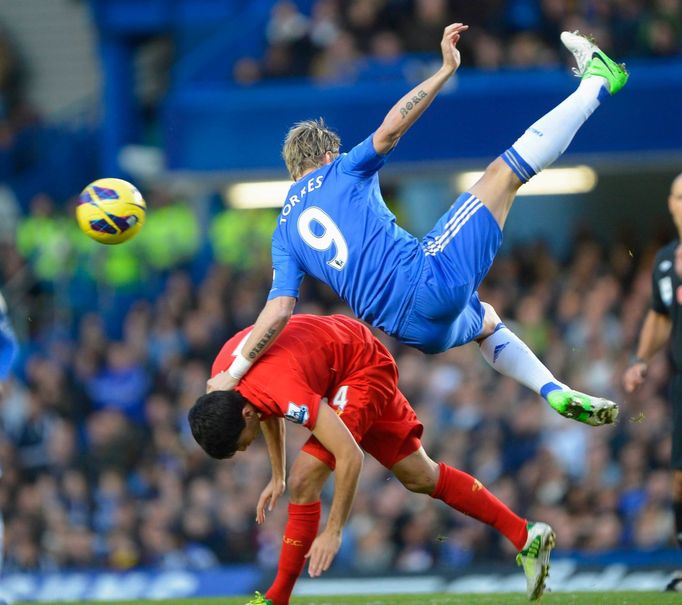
x=510 y=356
x=548 y=138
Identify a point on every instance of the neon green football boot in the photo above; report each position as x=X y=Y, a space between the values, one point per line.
x=592 y=61
x=594 y=411
x=534 y=558
x=259 y=599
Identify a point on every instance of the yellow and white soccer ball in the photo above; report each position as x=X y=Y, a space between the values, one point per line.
x=110 y=211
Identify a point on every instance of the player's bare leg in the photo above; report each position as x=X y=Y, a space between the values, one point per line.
x=534 y=541
x=417 y=472
x=497 y=189
x=509 y=355
x=544 y=142
x=306 y=480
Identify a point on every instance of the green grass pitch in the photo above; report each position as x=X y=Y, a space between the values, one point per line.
x=579 y=598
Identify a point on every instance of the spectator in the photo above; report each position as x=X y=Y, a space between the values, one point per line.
x=335 y=42
x=143 y=495
x=99 y=467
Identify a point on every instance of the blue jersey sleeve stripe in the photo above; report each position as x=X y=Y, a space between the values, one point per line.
x=276 y=293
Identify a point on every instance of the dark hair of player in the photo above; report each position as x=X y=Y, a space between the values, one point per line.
x=216 y=421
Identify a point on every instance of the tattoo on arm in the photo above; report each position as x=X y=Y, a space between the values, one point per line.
x=260 y=345
x=412 y=103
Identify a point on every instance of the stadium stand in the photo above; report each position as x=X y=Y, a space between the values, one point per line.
x=100 y=468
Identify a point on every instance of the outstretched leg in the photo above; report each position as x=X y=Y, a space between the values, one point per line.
x=543 y=143
x=510 y=356
x=534 y=541
x=463 y=243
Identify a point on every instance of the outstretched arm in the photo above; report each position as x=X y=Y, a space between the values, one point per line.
x=655 y=333
x=406 y=111
x=270 y=323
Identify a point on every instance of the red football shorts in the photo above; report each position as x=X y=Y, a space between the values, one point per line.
x=383 y=424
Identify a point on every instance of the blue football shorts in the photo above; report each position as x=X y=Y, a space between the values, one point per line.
x=445 y=311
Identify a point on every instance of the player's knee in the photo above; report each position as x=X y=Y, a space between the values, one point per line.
x=491 y=317
x=490 y=321
x=304 y=488
x=420 y=482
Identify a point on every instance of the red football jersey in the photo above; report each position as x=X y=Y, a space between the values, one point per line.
x=312 y=357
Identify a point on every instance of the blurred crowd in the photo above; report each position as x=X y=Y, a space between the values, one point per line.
x=100 y=469
x=338 y=42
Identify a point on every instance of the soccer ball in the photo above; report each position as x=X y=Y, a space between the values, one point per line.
x=110 y=211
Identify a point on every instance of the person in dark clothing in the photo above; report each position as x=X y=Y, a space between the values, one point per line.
x=663 y=325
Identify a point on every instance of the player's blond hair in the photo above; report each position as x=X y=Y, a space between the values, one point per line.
x=305 y=145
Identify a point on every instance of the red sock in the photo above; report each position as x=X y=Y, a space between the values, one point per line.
x=301 y=529
x=466 y=494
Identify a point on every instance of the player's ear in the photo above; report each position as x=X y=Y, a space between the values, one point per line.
x=248 y=411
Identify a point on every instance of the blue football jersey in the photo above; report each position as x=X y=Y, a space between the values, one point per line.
x=335 y=226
